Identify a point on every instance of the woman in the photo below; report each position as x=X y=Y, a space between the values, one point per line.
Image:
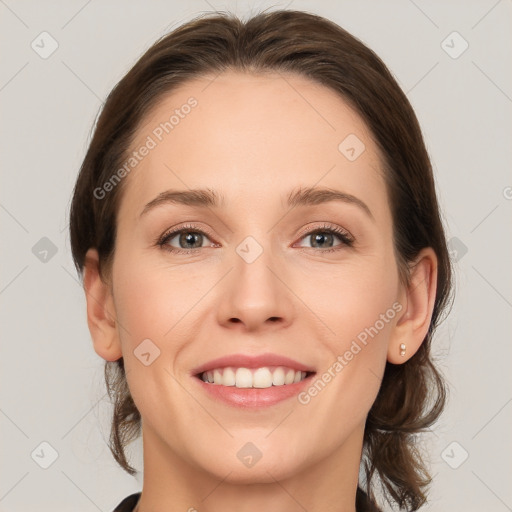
x=258 y=232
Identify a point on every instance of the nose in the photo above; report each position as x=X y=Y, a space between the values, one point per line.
x=255 y=296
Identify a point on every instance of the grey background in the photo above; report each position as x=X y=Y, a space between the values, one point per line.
x=52 y=387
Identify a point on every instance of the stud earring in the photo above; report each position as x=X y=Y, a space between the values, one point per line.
x=402 y=349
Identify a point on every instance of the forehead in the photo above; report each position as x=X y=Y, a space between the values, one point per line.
x=252 y=136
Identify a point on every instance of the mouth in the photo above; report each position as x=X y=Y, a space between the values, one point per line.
x=253 y=381
x=253 y=378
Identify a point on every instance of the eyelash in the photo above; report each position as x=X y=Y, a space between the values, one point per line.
x=162 y=241
x=345 y=238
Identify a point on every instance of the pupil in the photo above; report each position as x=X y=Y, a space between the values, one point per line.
x=321 y=238
x=189 y=238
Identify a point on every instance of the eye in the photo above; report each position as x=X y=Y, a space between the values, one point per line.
x=188 y=239
x=184 y=240
x=325 y=238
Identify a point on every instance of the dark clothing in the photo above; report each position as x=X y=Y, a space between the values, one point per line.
x=363 y=504
x=128 y=504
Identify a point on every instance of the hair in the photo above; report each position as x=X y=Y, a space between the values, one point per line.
x=413 y=394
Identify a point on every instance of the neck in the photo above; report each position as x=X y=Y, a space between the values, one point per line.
x=328 y=484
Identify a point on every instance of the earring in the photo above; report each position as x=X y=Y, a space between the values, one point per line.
x=402 y=349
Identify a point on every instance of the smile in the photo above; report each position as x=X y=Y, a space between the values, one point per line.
x=252 y=381
x=260 y=378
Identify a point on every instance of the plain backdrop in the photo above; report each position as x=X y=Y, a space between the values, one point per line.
x=54 y=411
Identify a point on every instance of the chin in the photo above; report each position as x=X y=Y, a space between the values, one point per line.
x=244 y=462
x=263 y=472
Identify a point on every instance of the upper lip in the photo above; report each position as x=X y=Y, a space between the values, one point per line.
x=248 y=361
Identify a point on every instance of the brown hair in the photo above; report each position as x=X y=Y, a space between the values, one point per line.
x=412 y=395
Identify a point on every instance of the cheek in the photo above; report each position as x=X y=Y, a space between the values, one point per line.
x=151 y=310
x=152 y=299
x=358 y=306
x=140 y=307
x=361 y=311
x=352 y=297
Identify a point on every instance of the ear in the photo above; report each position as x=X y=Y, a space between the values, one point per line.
x=417 y=300
x=100 y=310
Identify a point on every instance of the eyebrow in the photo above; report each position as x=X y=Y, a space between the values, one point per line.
x=311 y=196
x=208 y=198
x=193 y=197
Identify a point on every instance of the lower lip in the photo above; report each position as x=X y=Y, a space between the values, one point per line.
x=254 y=397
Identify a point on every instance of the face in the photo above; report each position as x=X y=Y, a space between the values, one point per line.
x=259 y=279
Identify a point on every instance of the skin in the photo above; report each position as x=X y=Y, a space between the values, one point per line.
x=254 y=138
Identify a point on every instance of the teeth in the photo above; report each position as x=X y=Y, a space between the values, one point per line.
x=278 y=377
x=253 y=378
x=243 y=378
x=229 y=377
x=262 y=378
x=290 y=375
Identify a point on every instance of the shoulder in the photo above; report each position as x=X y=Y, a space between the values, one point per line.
x=128 y=504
